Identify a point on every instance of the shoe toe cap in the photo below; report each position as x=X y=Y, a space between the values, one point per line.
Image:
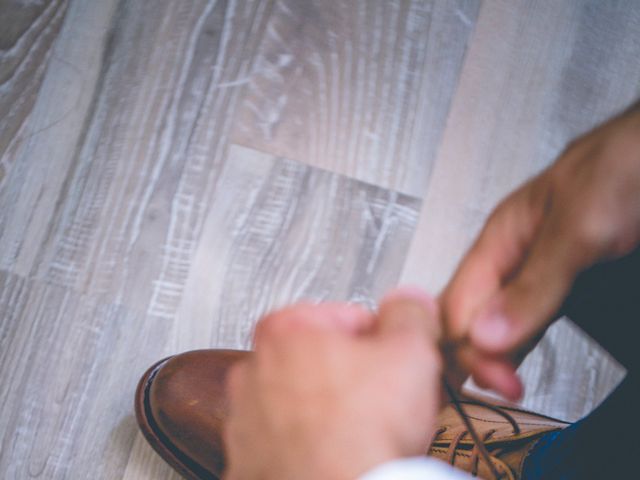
x=188 y=403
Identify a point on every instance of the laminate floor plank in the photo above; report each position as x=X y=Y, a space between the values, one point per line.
x=279 y=231
x=144 y=464
x=536 y=75
x=276 y=231
x=145 y=230
x=169 y=171
x=26 y=41
x=47 y=90
x=567 y=375
x=359 y=88
x=69 y=365
x=128 y=213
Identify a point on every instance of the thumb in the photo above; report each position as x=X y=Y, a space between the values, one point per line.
x=409 y=309
x=524 y=306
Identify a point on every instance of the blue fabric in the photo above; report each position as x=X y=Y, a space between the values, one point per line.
x=603 y=445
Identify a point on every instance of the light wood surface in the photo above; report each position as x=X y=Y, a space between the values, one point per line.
x=361 y=88
x=127 y=208
x=69 y=363
x=281 y=231
x=169 y=171
x=536 y=75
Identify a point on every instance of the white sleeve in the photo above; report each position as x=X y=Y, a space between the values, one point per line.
x=417 y=468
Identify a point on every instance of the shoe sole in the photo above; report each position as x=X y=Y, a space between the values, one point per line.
x=178 y=460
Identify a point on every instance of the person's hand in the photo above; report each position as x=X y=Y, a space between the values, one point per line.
x=333 y=390
x=583 y=209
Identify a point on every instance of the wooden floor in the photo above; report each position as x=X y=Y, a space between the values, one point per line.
x=169 y=171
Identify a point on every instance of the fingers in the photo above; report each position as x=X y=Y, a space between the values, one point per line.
x=408 y=323
x=498 y=251
x=496 y=373
x=499 y=376
x=526 y=304
x=409 y=310
x=408 y=327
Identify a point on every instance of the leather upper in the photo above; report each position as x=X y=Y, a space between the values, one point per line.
x=507 y=433
x=188 y=404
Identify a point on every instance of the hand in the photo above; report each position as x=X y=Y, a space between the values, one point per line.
x=333 y=390
x=583 y=209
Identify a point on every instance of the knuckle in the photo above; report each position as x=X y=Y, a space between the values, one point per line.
x=274 y=325
x=601 y=233
x=592 y=230
x=291 y=320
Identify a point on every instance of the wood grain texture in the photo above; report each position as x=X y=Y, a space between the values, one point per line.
x=132 y=226
x=69 y=364
x=130 y=229
x=361 y=88
x=38 y=158
x=536 y=75
x=568 y=374
x=278 y=232
x=135 y=190
x=26 y=39
x=144 y=463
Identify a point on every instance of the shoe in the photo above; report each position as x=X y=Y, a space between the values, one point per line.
x=507 y=433
x=181 y=406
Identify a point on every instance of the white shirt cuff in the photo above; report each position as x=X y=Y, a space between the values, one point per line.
x=417 y=468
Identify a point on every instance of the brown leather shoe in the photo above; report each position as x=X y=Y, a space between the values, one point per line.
x=507 y=433
x=181 y=406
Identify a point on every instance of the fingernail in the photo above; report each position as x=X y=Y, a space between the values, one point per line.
x=413 y=293
x=491 y=330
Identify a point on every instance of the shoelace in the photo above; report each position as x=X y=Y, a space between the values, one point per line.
x=479 y=448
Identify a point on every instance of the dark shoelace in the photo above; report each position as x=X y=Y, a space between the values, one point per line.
x=479 y=449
